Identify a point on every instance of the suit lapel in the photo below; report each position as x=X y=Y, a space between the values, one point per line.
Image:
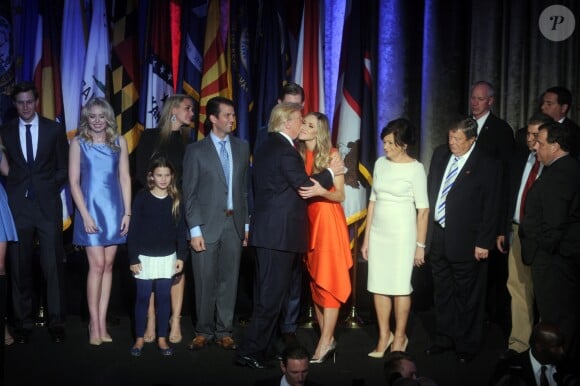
x=13 y=140
x=467 y=169
x=213 y=152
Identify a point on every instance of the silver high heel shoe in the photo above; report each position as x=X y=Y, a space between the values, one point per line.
x=330 y=351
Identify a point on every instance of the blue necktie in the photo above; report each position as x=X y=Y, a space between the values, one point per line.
x=225 y=160
x=447 y=184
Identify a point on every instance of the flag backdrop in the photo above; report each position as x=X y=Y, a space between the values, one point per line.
x=7 y=75
x=272 y=60
x=216 y=79
x=240 y=48
x=98 y=53
x=125 y=70
x=72 y=63
x=157 y=84
x=48 y=81
x=193 y=16
x=309 y=72
x=353 y=120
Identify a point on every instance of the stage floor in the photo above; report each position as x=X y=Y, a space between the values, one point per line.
x=75 y=362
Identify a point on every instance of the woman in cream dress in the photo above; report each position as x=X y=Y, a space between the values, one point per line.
x=395 y=235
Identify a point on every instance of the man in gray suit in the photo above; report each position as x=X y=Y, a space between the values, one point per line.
x=215 y=173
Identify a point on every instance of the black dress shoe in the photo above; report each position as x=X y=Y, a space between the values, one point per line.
x=246 y=360
x=465 y=357
x=507 y=354
x=58 y=335
x=437 y=349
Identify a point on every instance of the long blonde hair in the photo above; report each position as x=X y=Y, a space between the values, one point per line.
x=111 y=130
x=323 y=143
x=172 y=191
x=165 y=123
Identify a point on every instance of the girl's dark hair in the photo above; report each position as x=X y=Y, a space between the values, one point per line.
x=162 y=162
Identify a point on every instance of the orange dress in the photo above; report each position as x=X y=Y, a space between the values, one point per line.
x=328 y=258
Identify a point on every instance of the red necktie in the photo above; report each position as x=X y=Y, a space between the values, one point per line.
x=528 y=185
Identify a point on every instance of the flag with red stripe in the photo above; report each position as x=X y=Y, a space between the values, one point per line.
x=309 y=71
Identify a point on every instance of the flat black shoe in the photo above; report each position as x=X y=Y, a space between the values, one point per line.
x=248 y=361
x=437 y=349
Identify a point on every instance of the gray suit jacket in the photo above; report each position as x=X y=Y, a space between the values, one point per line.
x=205 y=191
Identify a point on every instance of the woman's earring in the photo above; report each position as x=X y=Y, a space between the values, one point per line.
x=173 y=118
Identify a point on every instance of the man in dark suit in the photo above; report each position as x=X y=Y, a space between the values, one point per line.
x=496 y=138
x=546 y=350
x=494 y=135
x=215 y=174
x=462 y=185
x=290 y=93
x=522 y=171
x=37 y=151
x=556 y=102
x=278 y=227
x=550 y=234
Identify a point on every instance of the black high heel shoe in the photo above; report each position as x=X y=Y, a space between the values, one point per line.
x=330 y=351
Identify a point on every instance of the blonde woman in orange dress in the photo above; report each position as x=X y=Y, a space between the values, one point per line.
x=328 y=257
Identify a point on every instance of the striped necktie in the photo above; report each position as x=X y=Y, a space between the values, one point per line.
x=447 y=184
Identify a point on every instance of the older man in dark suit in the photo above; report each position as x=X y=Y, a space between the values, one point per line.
x=37 y=151
x=215 y=174
x=278 y=227
x=463 y=190
x=550 y=234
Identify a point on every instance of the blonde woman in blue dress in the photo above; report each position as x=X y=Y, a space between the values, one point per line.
x=394 y=239
x=100 y=186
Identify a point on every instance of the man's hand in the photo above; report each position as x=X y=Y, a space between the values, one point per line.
x=499 y=243
x=481 y=253
x=310 y=191
x=197 y=243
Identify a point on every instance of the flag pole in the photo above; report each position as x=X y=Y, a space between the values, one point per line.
x=353 y=320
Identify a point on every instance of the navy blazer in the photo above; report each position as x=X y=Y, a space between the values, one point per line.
x=472 y=205
x=279 y=219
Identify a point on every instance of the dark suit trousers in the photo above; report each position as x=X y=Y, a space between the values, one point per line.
x=215 y=274
x=291 y=309
x=273 y=276
x=459 y=295
x=30 y=221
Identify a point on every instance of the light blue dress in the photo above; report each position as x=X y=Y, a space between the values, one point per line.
x=7 y=228
x=101 y=190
